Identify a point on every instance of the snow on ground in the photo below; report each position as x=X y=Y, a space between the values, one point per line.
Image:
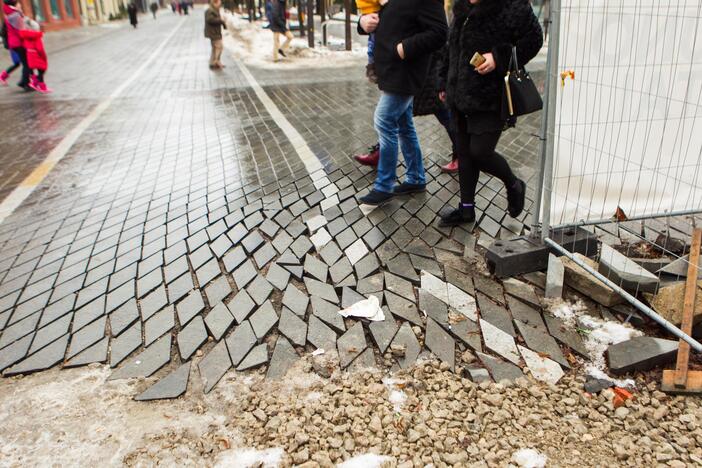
x=368 y=460
x=249 y=457
x=529 y=458
x=253 y=45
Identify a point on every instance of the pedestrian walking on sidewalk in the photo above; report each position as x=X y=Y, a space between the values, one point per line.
x=132 y=12
x=279 y=26
x=407 y=32
x=213 y=31
x=32 y=40
x=14 y=23
x=154 y=9
x=474 y=94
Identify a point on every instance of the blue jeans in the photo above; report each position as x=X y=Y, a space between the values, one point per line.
x=393 y=122
x=371 y=48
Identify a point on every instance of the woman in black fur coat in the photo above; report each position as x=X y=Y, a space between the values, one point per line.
x=474 y=94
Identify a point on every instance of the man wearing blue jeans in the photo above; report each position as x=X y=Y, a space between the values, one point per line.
x=407 y=32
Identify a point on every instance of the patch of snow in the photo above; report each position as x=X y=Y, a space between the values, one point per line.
x=367 y=460
x=568 y=312
x=396 y=396
x=600 y=374
x=243 y=458
x=529 y=458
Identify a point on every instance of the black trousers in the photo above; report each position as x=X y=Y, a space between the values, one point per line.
x=22 y=53
x=476 y=153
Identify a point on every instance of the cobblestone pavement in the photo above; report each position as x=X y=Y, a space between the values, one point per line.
x=185 y=222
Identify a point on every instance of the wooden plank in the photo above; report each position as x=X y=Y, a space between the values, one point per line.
x=693 y=385
x=688 y=309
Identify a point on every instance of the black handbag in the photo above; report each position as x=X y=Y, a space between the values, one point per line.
x=520 y=96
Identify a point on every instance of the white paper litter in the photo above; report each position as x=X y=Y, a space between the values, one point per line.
x=529 y=458
x=367 y=308
x=318 y=352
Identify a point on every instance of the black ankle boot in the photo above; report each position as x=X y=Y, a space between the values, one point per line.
x=515 y=198
x=462 y=215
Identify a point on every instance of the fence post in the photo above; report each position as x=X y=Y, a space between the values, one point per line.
x=310 y=24
x=322 y=19
x=347 y=11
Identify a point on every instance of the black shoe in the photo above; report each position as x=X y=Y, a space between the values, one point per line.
x=280 y=51
x=406 y=188
x=515 y=198
x=457 y=217
x=375 y=198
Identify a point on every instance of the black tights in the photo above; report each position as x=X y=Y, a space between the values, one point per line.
x=476 y=153
x=40 y=76
x=12 y=68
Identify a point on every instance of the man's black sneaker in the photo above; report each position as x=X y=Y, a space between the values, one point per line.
x=457 y=217
x=515 y=198
x=376 y=197
x=405 y=188
x=280 y=51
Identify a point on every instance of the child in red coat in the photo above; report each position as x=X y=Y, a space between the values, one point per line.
x=36 y=55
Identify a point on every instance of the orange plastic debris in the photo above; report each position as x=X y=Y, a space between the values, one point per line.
x=620 y=396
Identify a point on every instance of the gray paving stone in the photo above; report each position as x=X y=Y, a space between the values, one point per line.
x=214 y=365
x=349 y=297
x=269 y=228
x=341 y=270
x=316 y=268
x=301 y=246
x=403 y=308
x=555 y=277
x=468 y=332
x=460 y=280
x=191 y=337
x=94 y=353
x=367 y=266
x=252 y=242
x=322 y=290
x=439 y=342
x=219 y=320
x=328 y=313
x=426 y=264
x=256 y=357
x=220 y=245
x=240 y=342
x=88 y=313
x=384 y=331
x=419 y=247
x=348 y=282
x=42 y=359
x=499 y=369
x=320 y=335
x=450 y=245
x=259 y=290
x=351 y=344
x=207 y=272
x=15 y=352
x=399 y=286
x=282 y=241
x=490 y=288
x=521 y=311
x=264 y=255
x=433 y=307
x=293 y=327
x=625 y=272
x=406 y=337
x=125 y=344
x=284 y=357
x=371 y=284
x=522 y=291
x=200 y=256
x=121 y=295
x=55 y=311
x=331 y=253
x=240 y=306
x=365 y=361
x=244 y=274
x=218 y=290
x=263 y=319
x=87 y=336
x=356 y=251
x=401 y=266
x=179 y=288
x=295 y=300
x=288 y=259
x=640 y=354
x=19 y=329
x=152 y=303
x=171 y=386
x=479 y=375
x=496 y=315
x=189 y=307
x=566 y=335
x=345 y=238
x=234 y=258
x=499 y=342
x=541 y=342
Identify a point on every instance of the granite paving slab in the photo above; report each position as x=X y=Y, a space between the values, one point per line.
x=330 y=253
x=301 y=246
x=51 y=332
x=499 y=342
x=462 y=302
x=467 y=331
x=293 y=327
x=500 y=370
x=147 y=362
x=351 y=344
x=320 y=335
x=218 y=290
x=316 y=268
x=384 y=331
x=256 y=357
x=566 y=335
x=180 y=288
x=496 y=315
x=240 y=342
x=522 y=291
x=263 y=320
x=526 y=314
x=366 y=360
x=90 y=312
x=259 y=289
x=350 y=297
x=234 y=258
x=189 y=307
x=15 y=352
x=322 y=290
x=479 y=375
x=171 y=386
x=356 y=251
x=406 y=338
x=328 y=313
x=541 y=367
x=86 y=336
x=555 y=277
x=219 y=320
x=401 y=266
x=541 y=342
x=252 y=242
x=426 y=264
x=439 y=342
x=96 y=353
x=460 y=280
x=433 y=307
x=150 y=304
x=214 y=365
x=244 y=274
x=403 y=308
x=434 y=286
x=341 y=270
x=295 y=300
x=284 y=357
x=207 y=272
x=191 y=337
x=419 y=247
x=42 y=359
x=625 y=272
x=640 y=354
x=264 y=255
x=278 y=276
x=126 y=343
x=490 y=288
x=320 y=239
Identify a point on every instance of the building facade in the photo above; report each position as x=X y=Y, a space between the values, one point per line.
x=54 y=14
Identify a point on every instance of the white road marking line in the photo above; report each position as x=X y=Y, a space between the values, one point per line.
x=27 y=186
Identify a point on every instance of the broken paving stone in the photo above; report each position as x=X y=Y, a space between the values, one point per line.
x=679 y=267
x=191 y=337
x=240 y=342
x=401 y=266
x=121 y=318
x=542 y=368
x=554 y=277
x=468 y=332
x=147 y=362
x=500 y=370
x=399 y=286
x=669 y=302
x=284 y=357
x=295 y=300
x=499 y=342
x=241 y=306
x=171 y=386
x=566 y=335
x=219 y=320
x=583 y=282
x=293 y=327
x=295 y=270
x=315 y=223
x=640 y=354
x=259 y=290
x=496 y=315
x=351 y=344
x=384 y=331
x=328 y=313
x=525 y=313
x=316 y=268
x=372 y=284
x=255 y=358
x=42 y=359
x=320 y=335
x=403 y=308
x=439 y=342
x=125 y=344
x=160 y=323
x=541 y=342
x=323 y=290
x=462 y=302
x=478 y=375
x=433 y=307
x=625 y=272
x=214 y=365
x=406 y=337
x=366 y=360
x=522 y=291
x=435 y=287
x=263 y=319
x=93 y=354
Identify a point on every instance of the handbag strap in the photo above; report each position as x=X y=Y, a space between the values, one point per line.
x=513 y=62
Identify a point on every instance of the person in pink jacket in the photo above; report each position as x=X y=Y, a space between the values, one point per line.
x=36 y=55
x=14 y=23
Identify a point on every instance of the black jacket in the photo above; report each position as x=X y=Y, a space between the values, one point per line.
x=426 y=101
x=420 y=25
x=277 y=20
x=491 y=26
x=213 y=24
